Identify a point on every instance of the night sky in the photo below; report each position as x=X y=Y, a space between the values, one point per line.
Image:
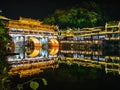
x=39 y=9
x=32 y=8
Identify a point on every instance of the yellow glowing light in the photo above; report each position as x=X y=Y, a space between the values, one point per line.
x=36 y=50
x=35 y=41
x=54 y=42
x=53 y=50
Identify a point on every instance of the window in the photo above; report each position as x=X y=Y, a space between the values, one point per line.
x=115 y=29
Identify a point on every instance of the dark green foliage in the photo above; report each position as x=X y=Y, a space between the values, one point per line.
x=78 y=17
x=4 y=66
x=34 y=85
x=4 y=38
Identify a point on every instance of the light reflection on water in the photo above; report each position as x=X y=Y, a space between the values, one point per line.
x=103 y=58
x=33 y=54
x=29 y=61
x=71 y=69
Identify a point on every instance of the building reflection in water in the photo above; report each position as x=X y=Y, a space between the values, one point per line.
x=97 y=59
x=33 y=60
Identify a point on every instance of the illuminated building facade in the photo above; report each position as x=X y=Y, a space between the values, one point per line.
x=30 y=32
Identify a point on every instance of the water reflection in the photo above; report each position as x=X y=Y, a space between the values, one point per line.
x=33 y=53
x=32 y=60
x=88 y=58
x=109 y=60
x=68 y=69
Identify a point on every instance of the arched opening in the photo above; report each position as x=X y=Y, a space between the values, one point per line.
x=53 y=50
x=35 y=41
x=53 y=42
x=33 y=47
x=35 y=52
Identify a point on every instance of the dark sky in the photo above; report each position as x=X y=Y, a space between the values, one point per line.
x=39 y=9
x=32 y=8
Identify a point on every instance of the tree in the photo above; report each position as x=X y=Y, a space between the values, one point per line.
x=4 y=66
x=50 y=20
x=77 y=17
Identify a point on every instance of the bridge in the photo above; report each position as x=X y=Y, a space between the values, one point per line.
x=33 y=46
x=27 y=29
x=30 y=38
